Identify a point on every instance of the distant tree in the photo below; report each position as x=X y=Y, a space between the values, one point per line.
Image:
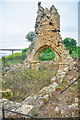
x=70 y=44
x=30 y=36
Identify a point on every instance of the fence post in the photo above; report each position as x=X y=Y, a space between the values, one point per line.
x=12 y=60
x=3 y=113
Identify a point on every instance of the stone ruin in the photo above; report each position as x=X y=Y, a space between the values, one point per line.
x=47 y=29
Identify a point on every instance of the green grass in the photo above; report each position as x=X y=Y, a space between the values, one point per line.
x=10 y=62
x=14 y=58
x=15 y=55
x=15 y=61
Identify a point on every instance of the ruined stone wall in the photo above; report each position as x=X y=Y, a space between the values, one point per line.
x=47 y=20
x=47 y=28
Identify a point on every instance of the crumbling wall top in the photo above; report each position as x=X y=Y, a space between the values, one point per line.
x=47 y=18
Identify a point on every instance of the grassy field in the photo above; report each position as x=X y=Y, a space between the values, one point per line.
x=15 y=61
x=10 y=62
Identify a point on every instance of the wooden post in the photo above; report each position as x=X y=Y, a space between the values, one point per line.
x=3 y=113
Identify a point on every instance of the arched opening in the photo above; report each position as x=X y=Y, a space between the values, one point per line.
x=42 y=49
x=47 y=55
x=46 y=58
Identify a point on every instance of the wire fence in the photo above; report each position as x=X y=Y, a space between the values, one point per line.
x=70 y=85
x=17 y=113
x=13 y=60
x=6 y=58
x=28 y=117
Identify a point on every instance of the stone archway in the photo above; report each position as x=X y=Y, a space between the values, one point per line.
x=47 y=29
x=38 y=52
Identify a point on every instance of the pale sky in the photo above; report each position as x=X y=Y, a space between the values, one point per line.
x=17 y=18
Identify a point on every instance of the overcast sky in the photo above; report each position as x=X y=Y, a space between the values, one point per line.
x=17 y=18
